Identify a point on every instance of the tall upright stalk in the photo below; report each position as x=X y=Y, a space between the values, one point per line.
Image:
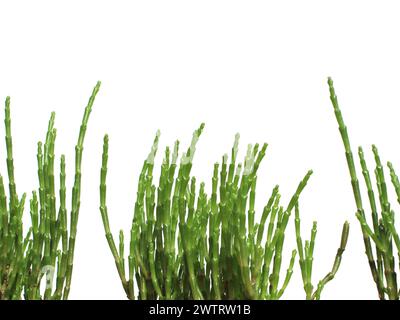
x=382 y=233
x=25 y=260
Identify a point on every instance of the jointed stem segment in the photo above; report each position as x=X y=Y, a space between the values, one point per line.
x=306 y=257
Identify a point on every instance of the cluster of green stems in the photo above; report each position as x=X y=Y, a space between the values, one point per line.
x=185 y=244
x=382 y=234
x=47 y=249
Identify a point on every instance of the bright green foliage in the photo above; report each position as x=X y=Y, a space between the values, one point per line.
x=383 y=232
x=306 y=257
x=12 y=242
x=25 y=261
x=185 y=244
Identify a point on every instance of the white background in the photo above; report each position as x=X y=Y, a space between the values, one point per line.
x=254 y=67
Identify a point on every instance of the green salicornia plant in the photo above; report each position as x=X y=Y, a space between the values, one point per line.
x=13 y=263
x=306 y=257
x=24 y=261
x=383 y=232
x=187 y=245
